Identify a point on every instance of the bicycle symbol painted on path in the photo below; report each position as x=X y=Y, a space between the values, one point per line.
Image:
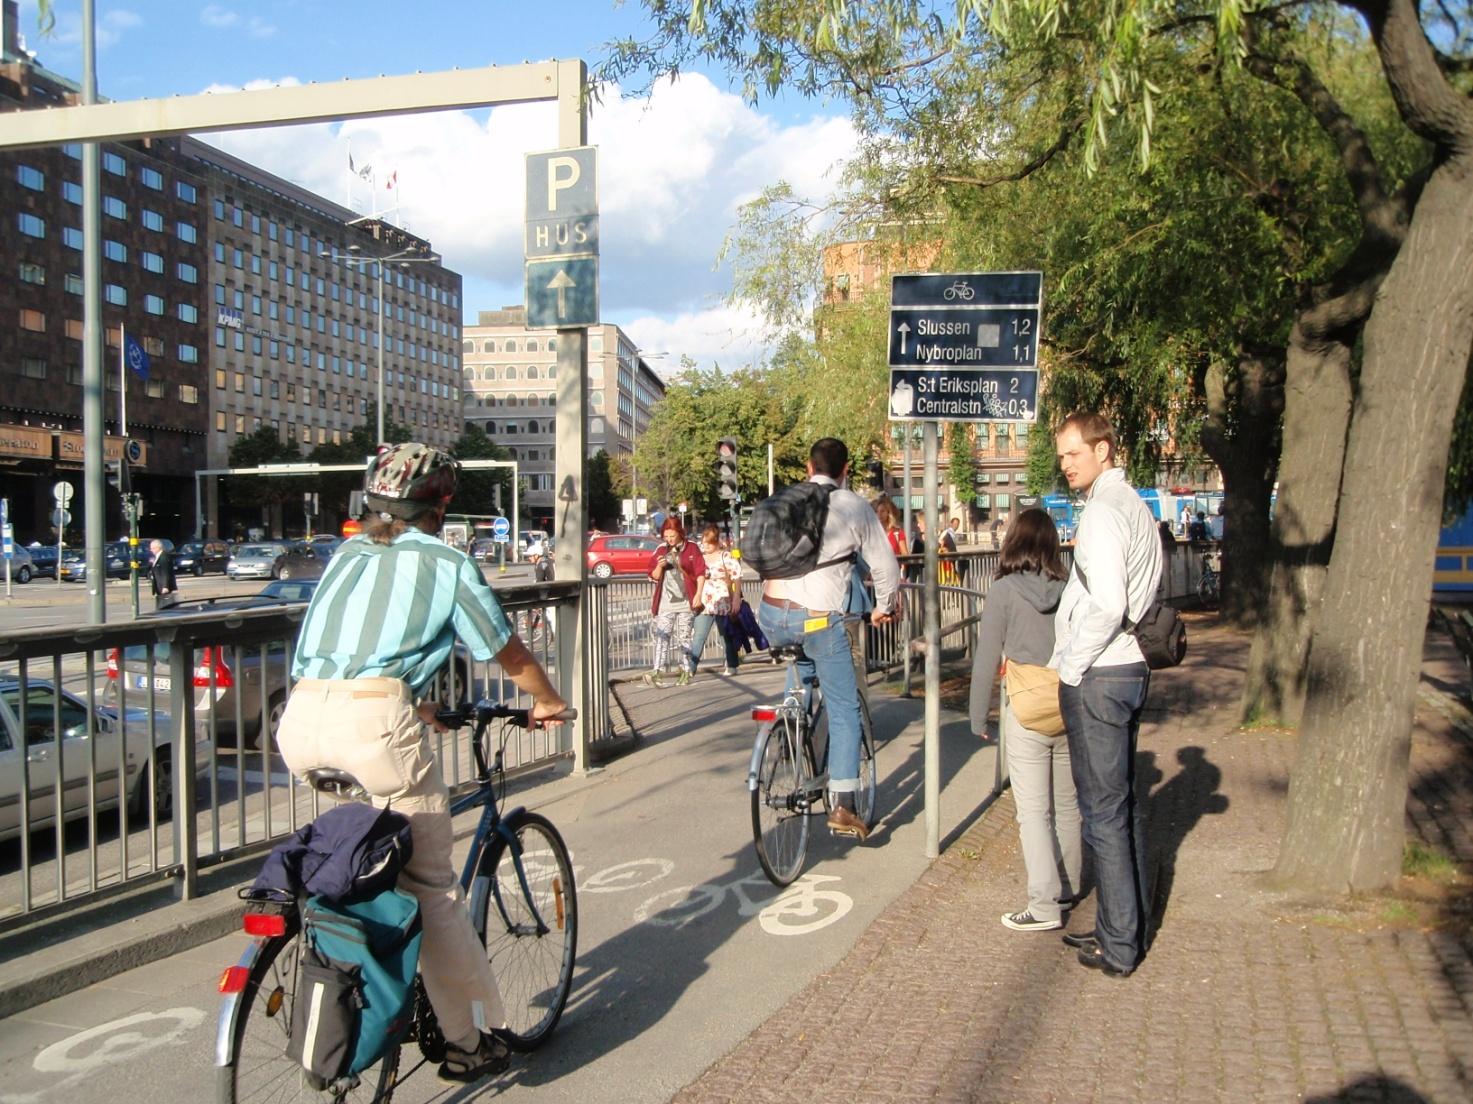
x=798 y=909
x=83 y=1054
x=960 y=290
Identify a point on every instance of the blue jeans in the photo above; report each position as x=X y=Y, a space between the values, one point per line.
x=702 y=629
x=1103 y=716
x=829 y=655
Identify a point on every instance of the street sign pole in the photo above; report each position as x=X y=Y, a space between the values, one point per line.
x=5 y=535
x=932 y=748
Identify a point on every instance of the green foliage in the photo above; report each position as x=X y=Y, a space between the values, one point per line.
x=1421 y=860
x=265 y=447
x=961 y=472
x=1457 y=494
x=1043 y=474
x=333 y=488
x=598 y=489
x=475 y=492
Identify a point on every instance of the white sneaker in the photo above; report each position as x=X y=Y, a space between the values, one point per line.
x=1026 y=921
x=728 y=670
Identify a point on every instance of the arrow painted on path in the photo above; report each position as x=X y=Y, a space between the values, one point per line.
x=903 y=329
x=560 y=284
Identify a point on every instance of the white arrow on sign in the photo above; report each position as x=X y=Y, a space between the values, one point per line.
x=903 y=329
x=560 y=284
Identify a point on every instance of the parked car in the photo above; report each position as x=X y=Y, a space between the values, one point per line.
x=303 y=561
x=482 y=548
x=21 y=568
x=620 y=554
x=116 y=558
x=197 y=557
x=146 y=765
x=226 y=675
x=43 y=560
x=257 y=560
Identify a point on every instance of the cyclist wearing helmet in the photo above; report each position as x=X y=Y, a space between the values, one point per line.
x=380 y=626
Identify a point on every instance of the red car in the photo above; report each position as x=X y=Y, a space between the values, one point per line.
x=620 y=554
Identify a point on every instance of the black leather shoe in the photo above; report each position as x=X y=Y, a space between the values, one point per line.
x=1081 y=942
x=1095 y=959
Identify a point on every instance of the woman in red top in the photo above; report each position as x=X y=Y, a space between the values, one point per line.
x=890 y=519
x=679 y=572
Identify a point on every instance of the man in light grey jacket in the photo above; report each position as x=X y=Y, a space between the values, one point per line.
x=1103 y=681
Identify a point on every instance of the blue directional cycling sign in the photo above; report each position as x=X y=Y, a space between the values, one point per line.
x=964 y=346
x=500 y=530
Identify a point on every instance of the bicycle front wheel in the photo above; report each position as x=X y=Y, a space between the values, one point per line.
x=531 y=930
x=780 y=803
x=259 y=1069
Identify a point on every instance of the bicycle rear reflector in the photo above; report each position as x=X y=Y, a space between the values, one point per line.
x=233 y=980
x=263 y=923
x=764 y=713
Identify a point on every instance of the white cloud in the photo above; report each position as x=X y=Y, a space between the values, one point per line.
x=217 y=17
x=673 y=170
x=732 y=337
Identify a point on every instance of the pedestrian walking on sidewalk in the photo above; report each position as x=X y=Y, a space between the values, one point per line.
x=161 y=576
x=1018 y=624
x=679 y=573
x=720 y=595
x=1103 y=681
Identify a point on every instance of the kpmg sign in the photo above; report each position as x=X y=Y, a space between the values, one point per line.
x=561 y=243
x=964 y=346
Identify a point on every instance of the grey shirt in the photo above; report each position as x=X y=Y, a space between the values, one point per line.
x=1017 y=622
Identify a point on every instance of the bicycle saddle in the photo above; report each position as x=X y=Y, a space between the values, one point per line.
x=336 y=783
x=786 y=652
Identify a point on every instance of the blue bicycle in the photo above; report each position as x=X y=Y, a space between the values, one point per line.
x=518 y=879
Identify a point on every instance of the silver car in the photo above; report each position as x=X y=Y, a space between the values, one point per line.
x=257 y=560
x=21 y=570
x=145 y=766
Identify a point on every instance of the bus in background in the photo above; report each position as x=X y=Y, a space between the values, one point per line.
x=1452 y=569
x=1061 y=508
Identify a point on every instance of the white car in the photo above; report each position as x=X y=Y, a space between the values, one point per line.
x=146 y=765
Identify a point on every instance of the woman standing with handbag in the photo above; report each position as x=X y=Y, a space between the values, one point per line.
x=1018 y=623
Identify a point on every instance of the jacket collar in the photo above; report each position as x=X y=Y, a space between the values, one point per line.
x=1106 y=477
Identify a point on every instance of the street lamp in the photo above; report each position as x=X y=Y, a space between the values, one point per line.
x=354 y=258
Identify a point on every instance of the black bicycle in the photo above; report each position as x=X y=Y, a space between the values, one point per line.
x=789 y=775
x=518 y=880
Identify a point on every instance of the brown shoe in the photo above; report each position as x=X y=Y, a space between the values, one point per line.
x=843 y=822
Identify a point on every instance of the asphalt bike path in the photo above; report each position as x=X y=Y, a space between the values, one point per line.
x=684 y=946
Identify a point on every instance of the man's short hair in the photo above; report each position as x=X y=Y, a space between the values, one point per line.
x=1093 y=426
x=829 y=456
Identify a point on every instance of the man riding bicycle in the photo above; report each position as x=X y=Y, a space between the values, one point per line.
x=380 y=626
x=809 y=610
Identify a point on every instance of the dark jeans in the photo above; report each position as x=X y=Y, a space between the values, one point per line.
x=1103 y=715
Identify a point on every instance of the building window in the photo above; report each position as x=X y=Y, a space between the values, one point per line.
x=151 y=178
x=32 y=226
x=511 y=346
x=33 y=367
x=511 y=371
x=33 y=179
x=153 y=304
x=72 y=193
x=115 y=251
x=532 y=371
x=115 y=294
x=153 y=388
x=186 y=231
x=152 y=262
x=114 y=164
x=32 y=320
x=113 y=207
x=188 y=273
x=188 y=354
x=73 y=328
x=152 y=220
x=185 y=191
x=240 y=423
x=31 y=273
x=219 y=421
x=188 y=312
x=189 y=393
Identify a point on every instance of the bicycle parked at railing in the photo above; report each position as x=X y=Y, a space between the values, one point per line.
x=518 y=880
x=1210 y=584
x=788 y=778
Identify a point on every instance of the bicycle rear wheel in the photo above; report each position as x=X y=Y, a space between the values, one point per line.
x=532 y=960
x=259 y=1069
x=780 y=802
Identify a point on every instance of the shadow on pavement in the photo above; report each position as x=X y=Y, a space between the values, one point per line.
x=1173 y=811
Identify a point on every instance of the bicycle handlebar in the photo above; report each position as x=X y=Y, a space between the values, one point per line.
x=485 y=711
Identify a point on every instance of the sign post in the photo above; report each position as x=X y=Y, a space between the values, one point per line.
x=500 y=533
x=7 y=537
x=963 y=347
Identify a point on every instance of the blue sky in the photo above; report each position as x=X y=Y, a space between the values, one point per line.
x=673 y=168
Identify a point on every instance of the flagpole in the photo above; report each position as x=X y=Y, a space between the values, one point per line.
x=122 y=380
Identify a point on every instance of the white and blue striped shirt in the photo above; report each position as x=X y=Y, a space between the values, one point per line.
x=395 y=610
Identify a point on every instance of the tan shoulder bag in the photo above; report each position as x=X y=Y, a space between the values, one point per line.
x=1033 y=696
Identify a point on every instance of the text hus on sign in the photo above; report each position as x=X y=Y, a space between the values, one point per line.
x=964 y=346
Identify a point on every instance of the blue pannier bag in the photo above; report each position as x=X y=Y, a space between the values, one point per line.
x=355 y=989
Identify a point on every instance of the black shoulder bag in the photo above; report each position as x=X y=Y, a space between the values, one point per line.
x=1160 y=632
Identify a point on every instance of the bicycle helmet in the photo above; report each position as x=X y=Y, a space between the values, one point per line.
x=404 y=480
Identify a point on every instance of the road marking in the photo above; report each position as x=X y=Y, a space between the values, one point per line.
x=799 y=909
x=627 y=875
x=118 y=1044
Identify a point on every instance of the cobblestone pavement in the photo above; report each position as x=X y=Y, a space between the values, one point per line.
x=1246 y=994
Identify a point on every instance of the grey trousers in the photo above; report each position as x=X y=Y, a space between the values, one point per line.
x=1048 y=814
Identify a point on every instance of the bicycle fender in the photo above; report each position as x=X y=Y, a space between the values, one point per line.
x=756 y=765
x=506 y=828
x=231 y=1006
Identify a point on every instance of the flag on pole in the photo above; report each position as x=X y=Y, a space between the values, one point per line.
x=366 y=172
x=136 y=358
x=393 y=179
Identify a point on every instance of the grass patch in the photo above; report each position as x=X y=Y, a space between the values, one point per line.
x=1418 y=860
x=1401 y=914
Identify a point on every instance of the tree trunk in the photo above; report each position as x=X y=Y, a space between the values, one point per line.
x=1317 y=396
x=1241 y=435
x=1347 y=795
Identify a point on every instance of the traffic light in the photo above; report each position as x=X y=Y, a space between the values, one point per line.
x=877 y=473
x=117 y=475
x=726 y=468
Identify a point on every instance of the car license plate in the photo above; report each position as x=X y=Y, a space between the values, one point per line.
x=161 y=685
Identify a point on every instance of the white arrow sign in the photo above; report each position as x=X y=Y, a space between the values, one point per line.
x=903 y=330
x=560 y=284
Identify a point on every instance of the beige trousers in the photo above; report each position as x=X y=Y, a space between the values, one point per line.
x=368 y=727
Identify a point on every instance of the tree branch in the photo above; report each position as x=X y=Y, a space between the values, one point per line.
x=1059 y=145
x=1429 y=105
